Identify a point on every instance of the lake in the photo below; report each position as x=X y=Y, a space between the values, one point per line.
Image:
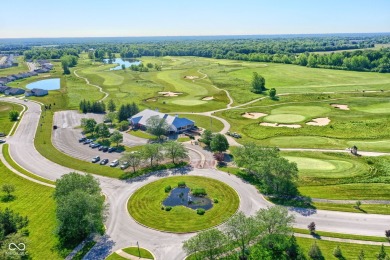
x=126 y=62
x=48 y=84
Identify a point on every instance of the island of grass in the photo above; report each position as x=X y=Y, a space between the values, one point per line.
x=146 y=207
x=132 y=251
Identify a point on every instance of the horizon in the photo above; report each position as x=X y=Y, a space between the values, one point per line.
x=119 y=18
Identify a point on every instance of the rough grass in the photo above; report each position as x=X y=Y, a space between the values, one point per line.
x=145 y=205
x=134 y=251
x=36 y=202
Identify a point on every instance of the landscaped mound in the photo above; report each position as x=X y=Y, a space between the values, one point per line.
x=146 y=205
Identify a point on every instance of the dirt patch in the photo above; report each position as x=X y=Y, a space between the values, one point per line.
x=208 y=98
x=280 y=125
x=253 y=115
x=322 y=121
x=341 y=107
x=170 y=94
x=191 y=77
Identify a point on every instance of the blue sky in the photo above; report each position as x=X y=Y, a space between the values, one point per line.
x=71 y=18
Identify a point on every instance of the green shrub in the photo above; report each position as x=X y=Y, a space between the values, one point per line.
x=181 y=184
x=168 y=188
x=200 y=211
x=199 y=192
x=162 y=207
x=168 y=208
x=215 y=200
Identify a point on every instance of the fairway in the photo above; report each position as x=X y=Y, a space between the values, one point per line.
x=383 y=108
x=145 y=205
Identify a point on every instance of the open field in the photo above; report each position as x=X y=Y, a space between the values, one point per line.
x=5 y=123
x=145 y=205
x=36 y=202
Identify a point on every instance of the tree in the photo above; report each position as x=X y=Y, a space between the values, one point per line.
x=358 y=204
x=175 y=150
x=123 y=67
x=8 y=188
x=110 y=117
x=65 y=66
x=272 y=93
x=206 y=137
x=134 y=159
x=337 y=252
x=149 y=65
x=88 y=125
x=361 y=255
x=387 y=234
x=79 y=208
x=315 y=252
x=13 y=115
x=241 y=231
x=206 y=245
x=157 y=126
x=111 y=105
x=312 y=227
x=102 y=130
x=258 y=83
x=123 y=126
x=382 y=253
x=152 y=152
x=116 y=137
x=219 y=143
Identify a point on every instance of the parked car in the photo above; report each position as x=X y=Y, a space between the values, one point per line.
x=114 y=163
x=87 y=141
x=104 y=162
x=82 y=139
x=2 y=141
x=111 y=149
x=124 y=165
x=105 y=149
x=95 y=159
x=101 y=148
x=95 y=145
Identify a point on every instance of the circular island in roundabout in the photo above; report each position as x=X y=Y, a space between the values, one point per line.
x=183 y=204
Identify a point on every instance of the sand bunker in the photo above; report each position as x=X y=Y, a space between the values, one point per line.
x=208 y=98
x=253 y=115
x=342 y=107
x=170 y=94
x=280 y=125
x=322 y=121
x=191 y=77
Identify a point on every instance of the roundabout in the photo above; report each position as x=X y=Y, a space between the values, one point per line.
x=146 y=205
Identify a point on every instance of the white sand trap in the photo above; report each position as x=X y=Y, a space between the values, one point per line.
x=280 y=125
x=342 y=107
x=208 y=98
x=170 y=94
x=191 y=77
x=322 y=121
x=253 y=115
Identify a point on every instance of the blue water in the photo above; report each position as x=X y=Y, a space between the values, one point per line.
x=48 y=84
x=119 y=61
x=181 y=196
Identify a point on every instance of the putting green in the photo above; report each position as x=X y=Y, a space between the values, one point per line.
x=311 y=163
x=306 y=111
x=188 y=102
x=145 y=205
x=284 y=118
x=382 y=108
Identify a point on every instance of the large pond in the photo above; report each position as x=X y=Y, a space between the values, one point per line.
x=119 y=61
x=182 y=197
x=48 y=84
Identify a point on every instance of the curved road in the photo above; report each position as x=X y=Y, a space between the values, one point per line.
x=123 y=231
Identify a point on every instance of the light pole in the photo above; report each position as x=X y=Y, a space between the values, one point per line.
x=139 y=253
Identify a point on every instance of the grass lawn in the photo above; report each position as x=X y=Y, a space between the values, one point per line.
x=205 y=122
x=344 y=236
x=134 y=251
x=36 y=202
x=115 y=256
x=145 y=205
x=141 y=134
x=5 y=123
x=383 y=209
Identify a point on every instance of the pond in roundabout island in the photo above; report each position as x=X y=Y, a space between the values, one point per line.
x=120 y=62
x=47 y=84
x=183 y=197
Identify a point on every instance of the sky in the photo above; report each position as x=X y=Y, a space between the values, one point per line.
x=119 y=18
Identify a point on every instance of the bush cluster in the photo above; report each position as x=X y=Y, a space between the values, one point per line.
x=199 y=192
x=200 y=211
x=168 y=188
x=181 y=184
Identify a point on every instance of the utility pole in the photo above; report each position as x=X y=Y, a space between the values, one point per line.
x=139 y=253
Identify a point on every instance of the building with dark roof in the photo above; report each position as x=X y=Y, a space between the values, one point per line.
x=14 y=91
x=36 y=92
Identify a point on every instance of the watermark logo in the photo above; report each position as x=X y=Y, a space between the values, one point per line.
x=20 y=246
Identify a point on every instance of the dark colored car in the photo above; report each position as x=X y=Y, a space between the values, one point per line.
x=87 y=141
x=105 y=149
x=104 y=162
x=111 y=149
x=82 y=139
x=101 y=148
x=95 y=159
x=95 y=145
x=2 y=141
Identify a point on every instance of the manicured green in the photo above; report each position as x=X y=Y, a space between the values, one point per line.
x=115 y=256
x=141 y=134
x=36 y=202
x=7 y=157
x=5 y=122
x=383 y=209
x=134 y=251
x=205 y=122
x=145 y=205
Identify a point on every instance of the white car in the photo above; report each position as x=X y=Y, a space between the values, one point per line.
x=114 y=163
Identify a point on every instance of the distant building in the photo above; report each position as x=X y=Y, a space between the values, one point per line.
x=36 y=92
x=3 y=88
x=14 y=91
x=176 y=124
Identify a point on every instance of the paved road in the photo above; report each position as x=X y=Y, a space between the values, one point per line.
x=123 y=231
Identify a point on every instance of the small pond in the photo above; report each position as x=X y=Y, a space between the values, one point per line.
x=47 y=84
x=119 y=61
x=182 y=196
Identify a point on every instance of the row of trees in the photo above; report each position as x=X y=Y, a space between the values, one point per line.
x=80 y=207
x=101 y=130
x=92 y=107
x=50 y=53
x=153 y=153
x=68 y=61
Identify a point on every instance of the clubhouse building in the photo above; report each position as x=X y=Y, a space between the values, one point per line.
x=176 y=124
